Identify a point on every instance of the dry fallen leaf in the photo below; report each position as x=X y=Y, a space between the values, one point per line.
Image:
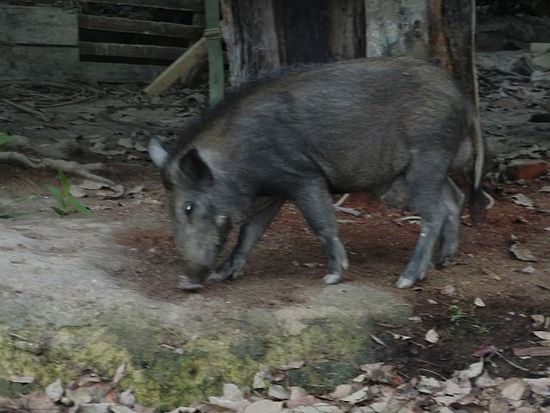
x=544 y=335
x=528 y=270
x=232 y=398
x=264 y=406
x=429 y=385
x=522 y=253
x=357 y=396
x=540 y=351
x=432 y=336
x=38 y=402
x=119 y=373
x=539 y=386
x=538 y=320
x=7 y=404
x=478 y=302
x=448 y=290
x=473 y=370
x=378 y=340
x=292 y=366
x=299 y=397
x=523 y=200
x=341 y=391
x=514 y=388
x=21 y=379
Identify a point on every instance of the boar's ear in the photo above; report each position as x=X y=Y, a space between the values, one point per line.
x=193 y=166
x=158 y=154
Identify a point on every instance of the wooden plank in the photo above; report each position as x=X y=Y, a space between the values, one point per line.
x=396 y=27
x=183 y=5
x=118 y=72
x=184 y=64
x=38 y=26
x=38 y=62
x=122 y=25
x=130 y=50
x=215 y=54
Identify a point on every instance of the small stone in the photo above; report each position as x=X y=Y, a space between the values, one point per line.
x=95 y=407
x=127 y=398
x=277 y=392
x=120 y=409
x=55 y=390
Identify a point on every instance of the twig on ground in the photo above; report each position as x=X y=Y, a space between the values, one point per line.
x=350 y=211
x=434 y=373
x=408 y=218
x=341 y=200
x=517 y=366
x=27 y=109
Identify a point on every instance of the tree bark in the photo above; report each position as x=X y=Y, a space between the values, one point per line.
x=264 y=35
x=450 y=33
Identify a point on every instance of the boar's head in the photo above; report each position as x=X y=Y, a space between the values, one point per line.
x=199 y=210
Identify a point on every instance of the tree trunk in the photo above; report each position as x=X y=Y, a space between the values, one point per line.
x=450 y=33
x=264 y=35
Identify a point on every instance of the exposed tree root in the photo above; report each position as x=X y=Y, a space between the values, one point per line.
x=83 y=170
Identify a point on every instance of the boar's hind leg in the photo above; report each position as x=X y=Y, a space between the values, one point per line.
x=315 y=203
x=250 y=233
x=426 y=181
x=453 y=199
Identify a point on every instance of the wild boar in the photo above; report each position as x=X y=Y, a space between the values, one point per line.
x=392 y=127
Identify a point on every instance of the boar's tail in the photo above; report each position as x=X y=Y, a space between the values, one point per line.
x=480 y=200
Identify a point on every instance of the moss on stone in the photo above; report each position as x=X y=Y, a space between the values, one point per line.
x=331 y=349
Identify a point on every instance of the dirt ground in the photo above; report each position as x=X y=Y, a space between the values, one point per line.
x=289 y=258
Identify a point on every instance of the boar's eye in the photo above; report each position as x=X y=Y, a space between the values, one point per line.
x=188 y=208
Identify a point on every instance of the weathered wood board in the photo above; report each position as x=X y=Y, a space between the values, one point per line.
x=264 y=35
x=397 y=27
x=38 y=26
x=118 y=72
x=122 y=25
x=36 y=62
x=190 y=5
x=130 y=50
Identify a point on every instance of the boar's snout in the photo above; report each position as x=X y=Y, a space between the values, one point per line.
x=195 y=273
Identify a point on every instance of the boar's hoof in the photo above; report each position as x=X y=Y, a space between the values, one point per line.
x=330 y=279
x=403 y=282
x=186 y=284
x=217 y=277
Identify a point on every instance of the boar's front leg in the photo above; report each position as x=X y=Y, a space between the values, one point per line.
x=315 y=203
x=250 y=233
